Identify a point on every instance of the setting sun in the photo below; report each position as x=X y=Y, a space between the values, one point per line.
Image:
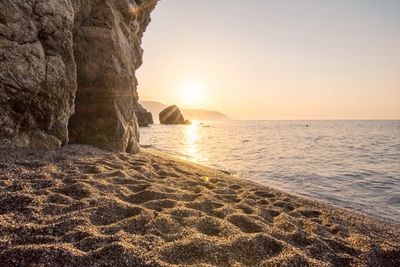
x=192 y=94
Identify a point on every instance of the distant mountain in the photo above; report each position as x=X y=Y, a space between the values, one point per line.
x=192 y=114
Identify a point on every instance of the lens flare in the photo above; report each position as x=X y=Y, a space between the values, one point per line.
x=133 y=9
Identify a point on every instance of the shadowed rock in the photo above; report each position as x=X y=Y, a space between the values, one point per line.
x=37 y=72
x=107 y=51
x=172 y=115
x=144 y=117
x=59 y=57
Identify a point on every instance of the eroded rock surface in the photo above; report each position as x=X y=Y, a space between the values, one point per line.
x=61 y=56
x=37 y=72
x=107 y=52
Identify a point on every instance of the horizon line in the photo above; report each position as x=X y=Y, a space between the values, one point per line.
x=338 y=119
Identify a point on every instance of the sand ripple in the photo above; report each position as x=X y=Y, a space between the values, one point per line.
x=82 y=206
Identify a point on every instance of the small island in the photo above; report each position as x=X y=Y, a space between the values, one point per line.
x=172 y=115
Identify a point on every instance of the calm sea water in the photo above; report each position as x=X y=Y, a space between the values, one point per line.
x=353 y=164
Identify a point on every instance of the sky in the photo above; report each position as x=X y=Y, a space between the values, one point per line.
x=282 y=59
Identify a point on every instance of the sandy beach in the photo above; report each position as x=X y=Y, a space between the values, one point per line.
x=82 y=206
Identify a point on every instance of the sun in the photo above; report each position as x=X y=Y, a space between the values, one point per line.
x=192 y=94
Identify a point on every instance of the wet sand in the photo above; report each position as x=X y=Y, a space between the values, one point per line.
x=81 y=206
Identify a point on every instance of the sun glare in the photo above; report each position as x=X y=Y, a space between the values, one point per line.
x=192 y=94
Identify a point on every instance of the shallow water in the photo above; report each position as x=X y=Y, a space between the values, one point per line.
x=353 y=164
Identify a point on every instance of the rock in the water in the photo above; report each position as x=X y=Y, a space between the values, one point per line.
x=57 y=56
x=172 y=115
x=144 y=117
x=37 y=72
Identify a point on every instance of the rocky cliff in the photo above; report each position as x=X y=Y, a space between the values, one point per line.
x=65 y=57
x=37 y=72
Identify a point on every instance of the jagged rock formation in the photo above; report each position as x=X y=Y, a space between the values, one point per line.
x=107 y=95
x=172 y=115
x=144 y=117
x=37 y=72
x=58 y=56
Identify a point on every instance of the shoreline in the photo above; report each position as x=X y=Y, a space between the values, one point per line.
x=306 y=198
x=82 y=206
x=233 y=173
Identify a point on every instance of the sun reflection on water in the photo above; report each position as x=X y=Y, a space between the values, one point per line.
x=191 y=138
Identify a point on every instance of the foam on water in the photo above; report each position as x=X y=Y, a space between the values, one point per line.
x=353 y=164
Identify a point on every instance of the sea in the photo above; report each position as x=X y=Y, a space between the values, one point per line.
x=351 y=164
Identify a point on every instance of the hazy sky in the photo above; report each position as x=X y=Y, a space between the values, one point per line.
x=260 y=59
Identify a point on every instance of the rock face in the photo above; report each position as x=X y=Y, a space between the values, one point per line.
x=61 y=56
x=144 y=117
x=107 y=50
x=37 y=72
x=172 y=115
